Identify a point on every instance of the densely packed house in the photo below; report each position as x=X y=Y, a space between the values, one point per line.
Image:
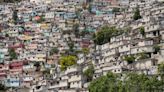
x=36 y=34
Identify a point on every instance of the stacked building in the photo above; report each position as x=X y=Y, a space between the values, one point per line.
x=30 y=31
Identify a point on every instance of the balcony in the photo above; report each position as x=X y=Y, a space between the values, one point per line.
x=146 y=43
x=124 y=49
x=53 y=86
x=27 y=67
x=2 y=73
x=71 y=70
x=76 y=85
x=75 y=78
x=98 y=71
x=141 y=49
x=63 y=83
x=144 y=64
x=27 y=78
x=152 y=28
x=111 y=68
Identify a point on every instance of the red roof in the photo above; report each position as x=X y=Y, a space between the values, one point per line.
x=37 y=18
x=17 y=46
x=16 y=64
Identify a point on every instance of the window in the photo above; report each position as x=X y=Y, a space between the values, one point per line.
x=137 y=49
x=154 y=63
x=154 y=33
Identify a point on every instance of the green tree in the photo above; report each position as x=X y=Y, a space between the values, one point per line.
x=37 y=65
x=137 y=15
x=76 y=30
x=71 y=46
x=156 y=48
x=84 y=32
x=115 y=10
x=98 y=84
x=103 y=36
x=141 y=83
x=90 y=8
x=46 y=71
x=2 y=87
x=161 y=71
x=130 y=59
x=54 y=50
x=104 y=84
x=89 y=73
x=135 y=82
x=143 y=55
x=12 y=54
x=85 y=50
x=142 y=31
x=6 y=35
x=66 y=61
x=15 y=16
x=131 y=82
